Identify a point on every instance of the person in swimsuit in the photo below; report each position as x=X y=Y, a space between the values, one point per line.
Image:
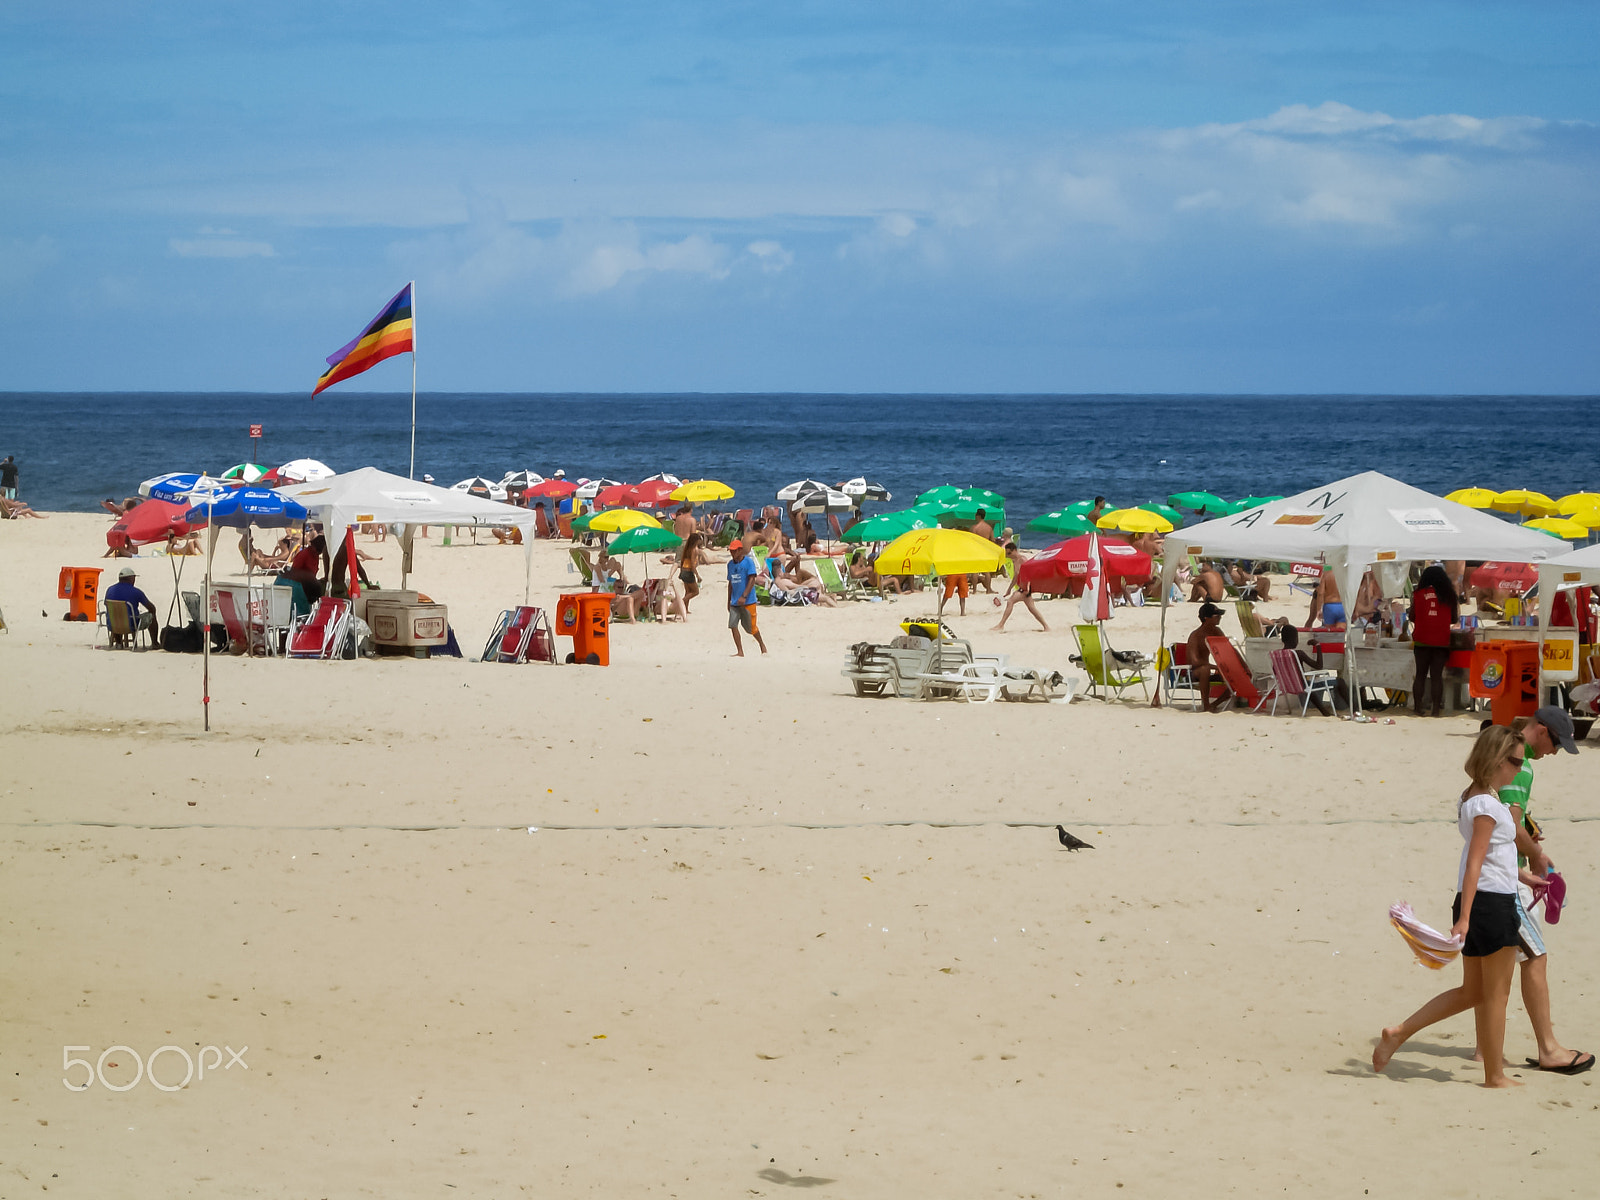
x=1326 y=603
x=688 y=561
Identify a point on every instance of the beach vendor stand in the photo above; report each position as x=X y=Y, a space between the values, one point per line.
x=1568 y=586
x=372 y=497
x=1349 y=525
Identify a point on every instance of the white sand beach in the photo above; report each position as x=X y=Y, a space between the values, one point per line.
x=696 y=926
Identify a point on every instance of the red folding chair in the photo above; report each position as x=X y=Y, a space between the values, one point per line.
x=1225 y=657
x=521 y=635
x=321 y=632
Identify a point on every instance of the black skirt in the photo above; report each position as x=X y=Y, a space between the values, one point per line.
x=1493 y=926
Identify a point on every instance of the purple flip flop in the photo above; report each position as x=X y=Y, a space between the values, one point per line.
x=1554 y=897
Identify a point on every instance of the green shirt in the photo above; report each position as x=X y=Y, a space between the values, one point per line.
x=1519 y=792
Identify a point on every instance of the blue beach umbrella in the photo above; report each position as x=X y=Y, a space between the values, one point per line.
x=178 y=486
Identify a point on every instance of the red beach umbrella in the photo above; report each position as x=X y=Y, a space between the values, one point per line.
x=610 y=497
x=652 y=493
x=552 y=488
x=1515 y=578
x=151 y=521
x=1058 y=567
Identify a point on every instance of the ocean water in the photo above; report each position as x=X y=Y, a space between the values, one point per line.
x=1040 y=452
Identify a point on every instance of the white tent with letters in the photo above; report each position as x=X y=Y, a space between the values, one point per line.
x=373 y=497
x=1348 y=526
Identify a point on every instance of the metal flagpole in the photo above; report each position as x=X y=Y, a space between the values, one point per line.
x=413 y=473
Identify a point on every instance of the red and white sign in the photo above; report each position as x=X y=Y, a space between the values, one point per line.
x=1311 y=570
x=255 y=431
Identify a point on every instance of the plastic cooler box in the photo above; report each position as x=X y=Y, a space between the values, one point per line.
x=407 y=623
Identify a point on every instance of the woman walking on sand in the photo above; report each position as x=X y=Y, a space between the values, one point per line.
x=1485 y=910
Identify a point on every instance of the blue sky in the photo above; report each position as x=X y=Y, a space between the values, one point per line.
x=1010 y=196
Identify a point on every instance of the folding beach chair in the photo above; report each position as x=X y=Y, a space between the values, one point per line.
x=242 y=635
x=521 y=635
x=1104 y=677
x=1249 y=623
x=832 y=580
x=121 y=623
x=321 y=633
x=1225 y=657
x=1291 y=679
x=1173 y=663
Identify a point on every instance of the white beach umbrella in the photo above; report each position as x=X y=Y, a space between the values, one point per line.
x=793 y=491
x=860 y=489
x=483 y=488
x=589 y=488
x=304 y=470
x=663 y=477
x=521 y=480
x=824 y=500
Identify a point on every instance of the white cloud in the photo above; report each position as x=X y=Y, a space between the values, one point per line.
x=219 y=243
x=770 y=256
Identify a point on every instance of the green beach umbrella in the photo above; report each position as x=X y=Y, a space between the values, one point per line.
x=964 y=516
x=978 y=497
x=939 y=494
x=1163 y=510
x=643 y=540
x=1250 y=502
x=582 y=523
x=1063 y=521
x=885 y=527
x=1201 y=502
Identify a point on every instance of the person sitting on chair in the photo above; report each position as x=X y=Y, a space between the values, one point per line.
x=1207 y=584
x=1200 y=666
x=303 y=568
x=124 y=590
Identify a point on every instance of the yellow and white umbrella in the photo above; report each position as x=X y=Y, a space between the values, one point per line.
x=940 y=552
x=702 y=491
x=1561 y=527
x=1473 y=497
x=1529 y=504
x=620 y=520
x=1135 y=520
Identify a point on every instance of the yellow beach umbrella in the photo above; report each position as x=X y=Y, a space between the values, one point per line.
x=1589 y=518
x=1529 y=504
x=702 y=491
x=1577 y=502
x=620 y=520
x=1135 y=520
x=1473 y=497
x=941 y=551
x=1560 y=526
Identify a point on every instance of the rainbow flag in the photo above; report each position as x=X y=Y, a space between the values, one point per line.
x=388 y=334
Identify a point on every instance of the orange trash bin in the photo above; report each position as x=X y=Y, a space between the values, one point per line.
x=1507 y=675
x=80 y=586
x=585 y=617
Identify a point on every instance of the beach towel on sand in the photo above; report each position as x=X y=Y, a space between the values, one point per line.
x=1433 y=949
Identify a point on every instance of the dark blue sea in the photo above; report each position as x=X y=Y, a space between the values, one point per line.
x=74 y=449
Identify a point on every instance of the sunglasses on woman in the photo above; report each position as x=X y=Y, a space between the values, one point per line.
x=1514 y=761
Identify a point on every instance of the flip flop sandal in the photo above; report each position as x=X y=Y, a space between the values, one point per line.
x=1582 y=1060
x=1555 y=896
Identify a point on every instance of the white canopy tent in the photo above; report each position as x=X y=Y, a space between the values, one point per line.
x=373 y=497
x=1349 y=525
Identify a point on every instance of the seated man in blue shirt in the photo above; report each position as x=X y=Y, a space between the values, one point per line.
x=125 y=591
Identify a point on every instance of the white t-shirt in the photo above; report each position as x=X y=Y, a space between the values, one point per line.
x=1499 y=873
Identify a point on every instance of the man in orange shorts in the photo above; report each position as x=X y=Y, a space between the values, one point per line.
x=742 y=572
x=958 y=584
